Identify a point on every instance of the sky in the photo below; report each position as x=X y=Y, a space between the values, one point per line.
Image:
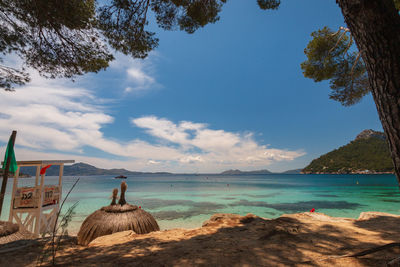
x=230 y=96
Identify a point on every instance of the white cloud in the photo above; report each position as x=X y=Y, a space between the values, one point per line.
x=52 y=115
x=216 y=148
x=140 y=73
x=137 y=75
x=47 y=115
x=191 y=159
x=153 y=162
x=128 y=89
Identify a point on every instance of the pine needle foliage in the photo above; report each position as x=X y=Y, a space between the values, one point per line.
x=330 y=57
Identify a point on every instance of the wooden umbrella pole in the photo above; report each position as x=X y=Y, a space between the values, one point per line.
x=5 y=172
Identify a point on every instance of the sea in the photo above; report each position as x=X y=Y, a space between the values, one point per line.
x=186 y=201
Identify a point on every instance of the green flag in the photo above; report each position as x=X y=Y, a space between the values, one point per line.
x=13 y=163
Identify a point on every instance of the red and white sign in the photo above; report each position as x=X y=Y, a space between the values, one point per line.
x=25 y=197
x=28 y=197
x=51 y=195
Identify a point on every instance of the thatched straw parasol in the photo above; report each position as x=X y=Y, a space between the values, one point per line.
x=10 y=232
x=116 y=218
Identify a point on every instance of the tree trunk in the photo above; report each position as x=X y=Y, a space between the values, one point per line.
x=375 y=26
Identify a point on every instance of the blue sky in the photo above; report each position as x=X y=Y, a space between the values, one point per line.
x=231 y=95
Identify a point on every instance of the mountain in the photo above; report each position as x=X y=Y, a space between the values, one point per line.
x=21 y=174
x=371 y=133
x=296 y=171
x=367 y=153
x=83 y=169
x=239 y=172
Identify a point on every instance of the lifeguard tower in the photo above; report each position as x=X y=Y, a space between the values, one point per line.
x=35 y=208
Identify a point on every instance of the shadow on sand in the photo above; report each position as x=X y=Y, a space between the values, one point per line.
x=242 y=241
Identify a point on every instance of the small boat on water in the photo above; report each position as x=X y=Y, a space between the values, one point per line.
x=120 y=177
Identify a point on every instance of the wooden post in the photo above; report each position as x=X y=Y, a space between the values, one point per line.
x=11 y=215
x=39 y=214
x=5 y=172
x=60 y=182
x=37 y=176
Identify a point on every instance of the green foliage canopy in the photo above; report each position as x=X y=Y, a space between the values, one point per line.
x=65 y=38
x=329 y=58
x=57 y=38
x=268 y=4
x=332 y=56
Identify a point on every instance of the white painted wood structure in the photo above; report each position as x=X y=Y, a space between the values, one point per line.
x=35 y=208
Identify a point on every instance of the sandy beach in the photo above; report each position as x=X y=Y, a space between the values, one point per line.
x=303 y=239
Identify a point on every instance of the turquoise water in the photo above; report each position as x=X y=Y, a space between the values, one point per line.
x=188 y=200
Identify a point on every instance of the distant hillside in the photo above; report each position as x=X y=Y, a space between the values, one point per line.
x=367 y=153
x=296 y=171
x=21 y=174
x=82 y=169
x=239 y=172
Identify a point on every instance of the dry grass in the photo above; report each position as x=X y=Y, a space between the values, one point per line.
x=112 y=219
x=116 y=218
x=10 y=232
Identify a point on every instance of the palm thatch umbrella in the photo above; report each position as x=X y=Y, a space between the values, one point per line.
x=10 y=232
x=116 y=218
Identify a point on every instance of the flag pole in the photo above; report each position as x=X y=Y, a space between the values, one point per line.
x=5 y=171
